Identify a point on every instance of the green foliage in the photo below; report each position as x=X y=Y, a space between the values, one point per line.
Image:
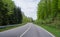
x=26 y=19
x=49 y=12
x=9 y=13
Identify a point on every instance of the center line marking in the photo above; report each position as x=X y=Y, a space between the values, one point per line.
x=25 y=31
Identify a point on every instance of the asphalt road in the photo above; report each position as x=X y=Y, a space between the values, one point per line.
x=28 y=30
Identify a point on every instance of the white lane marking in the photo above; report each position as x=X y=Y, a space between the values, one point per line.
x=25 y=31
x=46 y=31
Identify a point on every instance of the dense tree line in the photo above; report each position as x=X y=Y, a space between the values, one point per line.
x=48 y=11
x=9 y=13
x=26 y=19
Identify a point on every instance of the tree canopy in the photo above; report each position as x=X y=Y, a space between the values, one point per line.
x=48 y=11
x=9 y=13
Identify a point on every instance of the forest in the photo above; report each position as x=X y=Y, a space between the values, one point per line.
x=10 y=14
x=49 y=13
x=48 y=16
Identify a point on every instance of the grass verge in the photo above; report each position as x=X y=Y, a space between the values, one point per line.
x=53 y=30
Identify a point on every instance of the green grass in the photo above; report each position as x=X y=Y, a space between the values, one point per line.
x=53 y=30
x=10 y=27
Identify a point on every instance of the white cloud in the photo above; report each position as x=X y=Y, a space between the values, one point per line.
x=28 y=7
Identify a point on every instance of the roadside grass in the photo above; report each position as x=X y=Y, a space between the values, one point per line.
x=54 y=31
x=10 y=27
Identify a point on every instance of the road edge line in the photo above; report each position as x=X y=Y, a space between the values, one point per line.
x=46 y=30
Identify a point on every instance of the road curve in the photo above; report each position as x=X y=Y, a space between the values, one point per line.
x=28 y=30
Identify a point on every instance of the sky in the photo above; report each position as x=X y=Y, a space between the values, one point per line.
x=29 y=7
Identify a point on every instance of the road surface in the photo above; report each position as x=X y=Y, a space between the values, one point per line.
x=28 y=30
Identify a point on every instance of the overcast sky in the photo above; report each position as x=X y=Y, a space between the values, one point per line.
x=29 y=7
